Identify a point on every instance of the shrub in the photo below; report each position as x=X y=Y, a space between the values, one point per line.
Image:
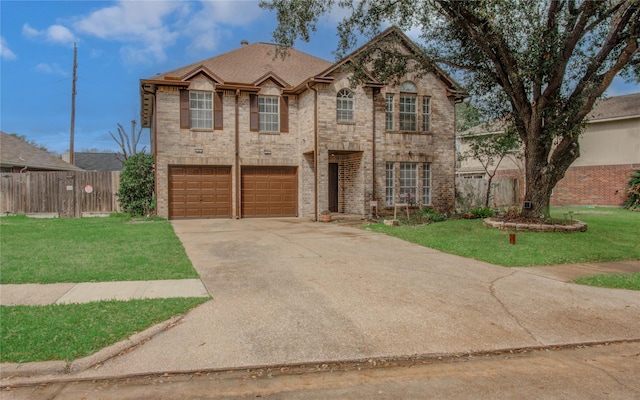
x=136 y=185
x=426 y=215
x=633 y=192
x=482 y=212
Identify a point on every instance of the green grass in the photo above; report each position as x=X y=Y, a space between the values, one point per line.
x=616 y=281
x=67 y=332
x=612 y=235
x=118 y=248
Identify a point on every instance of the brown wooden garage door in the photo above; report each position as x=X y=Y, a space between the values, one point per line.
x=199 y=192
x=269 y=192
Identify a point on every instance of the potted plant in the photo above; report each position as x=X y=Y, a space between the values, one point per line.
x=325 y=216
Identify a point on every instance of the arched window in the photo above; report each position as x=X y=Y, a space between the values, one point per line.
x=408 y=107
x=344 y=106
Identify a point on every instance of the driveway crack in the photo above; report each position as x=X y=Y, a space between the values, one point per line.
x=492 y=290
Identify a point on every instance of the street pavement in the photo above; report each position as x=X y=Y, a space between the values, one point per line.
x=295 y=292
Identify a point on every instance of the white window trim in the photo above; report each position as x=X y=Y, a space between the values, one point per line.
x=389 y=118
x=408 y=182
x=201 y=116
x=426 y=114
x=390 y=184
x=265 y=126
x=408 y=100
x=345 y=106
x=426 y=184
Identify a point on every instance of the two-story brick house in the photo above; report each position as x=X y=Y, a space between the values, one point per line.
x=250 y=134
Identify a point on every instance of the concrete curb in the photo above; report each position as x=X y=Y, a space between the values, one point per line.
x=9 y=371
x=49 y=374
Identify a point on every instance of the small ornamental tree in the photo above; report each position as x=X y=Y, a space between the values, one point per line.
x=489 y=151
x=633 y=192
x=136 y=184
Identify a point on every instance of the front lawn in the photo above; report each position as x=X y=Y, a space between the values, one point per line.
x=117 y=248
x=616 y=281
x=612 y=235
x=70 y=331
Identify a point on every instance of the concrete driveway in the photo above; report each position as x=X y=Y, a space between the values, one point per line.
x=294 y=291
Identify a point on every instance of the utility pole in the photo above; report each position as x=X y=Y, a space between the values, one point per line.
x=73 y=103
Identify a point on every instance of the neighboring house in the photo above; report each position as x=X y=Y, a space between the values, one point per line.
x=609 y=153
x=16 y=155
x=250 y=134
x=92 y=161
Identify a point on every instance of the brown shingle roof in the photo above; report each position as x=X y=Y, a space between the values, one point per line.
x=616 y=107
x=16 y=152
x=249 y=63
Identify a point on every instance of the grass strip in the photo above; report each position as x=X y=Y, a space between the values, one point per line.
x=117 y=248
x=612 y=235
x=615 y=281
x=71 y=331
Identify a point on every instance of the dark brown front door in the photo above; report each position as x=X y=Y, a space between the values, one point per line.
x=333 y=187
x=199 y=192
x=269 y=192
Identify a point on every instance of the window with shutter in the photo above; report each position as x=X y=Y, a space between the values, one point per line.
x=217 y=111
x=284 y=114
x=254 y=117
x=185 y=122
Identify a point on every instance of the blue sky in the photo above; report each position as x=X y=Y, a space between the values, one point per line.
x=119 y=43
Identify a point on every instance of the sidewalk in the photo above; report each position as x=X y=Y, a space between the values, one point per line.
x=65 y=293
x=33 y=294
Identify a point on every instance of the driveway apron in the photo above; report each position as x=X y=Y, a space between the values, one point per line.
x=288 y=291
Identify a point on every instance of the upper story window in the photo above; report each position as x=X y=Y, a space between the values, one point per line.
x=426 y=114
x=269 y=110
x=408 y=107
x=388 y=116
x=201 y=110
x=268 y=113
x=344 y=106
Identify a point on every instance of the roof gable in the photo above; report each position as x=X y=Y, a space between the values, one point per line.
x=395 y=34
x=249 y=63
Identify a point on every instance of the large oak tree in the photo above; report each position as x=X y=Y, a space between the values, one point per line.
x=539 y=65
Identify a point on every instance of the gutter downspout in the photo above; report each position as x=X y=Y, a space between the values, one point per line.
x=373 y=148
x=315 y=150
x=237 y=144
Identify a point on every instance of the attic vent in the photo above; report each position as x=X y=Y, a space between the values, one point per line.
x=244 y=43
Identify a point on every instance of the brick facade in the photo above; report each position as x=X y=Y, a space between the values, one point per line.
x=602 y=185
x=361 y=148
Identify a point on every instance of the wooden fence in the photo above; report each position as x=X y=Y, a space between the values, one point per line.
x=65 y=193
x=471 y=192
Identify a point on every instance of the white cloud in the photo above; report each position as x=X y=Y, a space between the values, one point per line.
x=141 y=25
x=55 y=34
x=5 y=51
x=28 y=31
x=206 y=27
x=51 y=69
x=60 y=34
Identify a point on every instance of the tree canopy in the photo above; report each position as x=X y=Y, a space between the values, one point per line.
x=538 y=65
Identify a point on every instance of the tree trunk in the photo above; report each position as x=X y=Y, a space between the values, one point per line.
x=488 y=195
x=545 y=167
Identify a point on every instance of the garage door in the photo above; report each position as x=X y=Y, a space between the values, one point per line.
x=269 y=192
x=199 y=192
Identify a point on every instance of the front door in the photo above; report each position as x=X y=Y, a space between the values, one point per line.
x=333 y=187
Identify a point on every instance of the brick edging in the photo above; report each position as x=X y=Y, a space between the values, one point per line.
x=576 y=226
